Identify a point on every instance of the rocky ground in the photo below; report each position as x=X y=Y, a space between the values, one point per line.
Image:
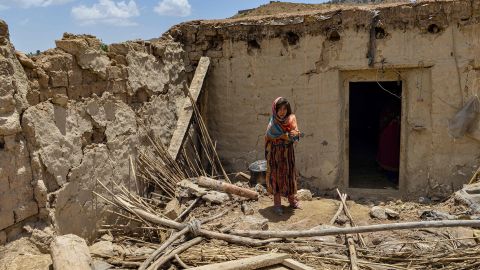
x=118 y=248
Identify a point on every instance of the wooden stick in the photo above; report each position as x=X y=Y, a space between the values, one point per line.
x=359 y=229
x=162 y=260
x=474 y=176
x=347 y=212
x=226 y=187
x=189 y=208
x=179 y=226
x=165 y=244
x=340 y=208
x=352 y=251
x=182 y=264
x=202 y=125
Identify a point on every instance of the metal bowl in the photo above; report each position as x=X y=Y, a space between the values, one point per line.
x=258 y=172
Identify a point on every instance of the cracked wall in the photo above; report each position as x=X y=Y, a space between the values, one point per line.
x=308 y=58
x=74 y=115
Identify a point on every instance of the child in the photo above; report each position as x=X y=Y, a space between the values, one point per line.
x=282 y=132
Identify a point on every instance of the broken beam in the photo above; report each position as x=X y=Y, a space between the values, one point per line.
x=185 y=117
x=360 y=229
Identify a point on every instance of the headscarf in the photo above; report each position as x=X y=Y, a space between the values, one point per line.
x=278 y=126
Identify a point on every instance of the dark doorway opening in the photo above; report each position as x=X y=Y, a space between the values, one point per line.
x=374 y=134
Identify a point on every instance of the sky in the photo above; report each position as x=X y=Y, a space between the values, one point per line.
x=36 y=24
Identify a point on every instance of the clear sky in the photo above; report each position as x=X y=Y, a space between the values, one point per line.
x=36 y=24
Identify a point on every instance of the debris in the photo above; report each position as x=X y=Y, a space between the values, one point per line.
x=241 y=176
x=217 y=197
x=192 y=188
x=470 y=196
x=103 y=249
x=247 y=209
x=360 y=229
x=253 y=223
x=383 y=213
x=435 y=215
x=101 y=265
x=256 y=262
x=352 y=251
x=226 y=187
x=70 y=252
x=424 y=200
x=260 y=189
x=392 y=214
x=172 y=209
x=304 y=195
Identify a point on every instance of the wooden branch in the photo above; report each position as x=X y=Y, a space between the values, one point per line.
x=352 y=251
x=256 y=262
x=340 y=208
x=226 y=187
x=347 y=212
x=179 y=226
x=165 y=244
x=474 y=176
x=359 y=229
x=182 y=264
x=189 y=208
x=165 y=258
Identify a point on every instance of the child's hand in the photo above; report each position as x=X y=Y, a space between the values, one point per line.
x=294 y=133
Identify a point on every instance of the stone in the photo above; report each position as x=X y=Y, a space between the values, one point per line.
x=260 y=189
x=252 y=223
x=42 y=237
x=23 y=254
x=70 y=252
x=102 y=249
x=40 y=193
x=391 y=214
x=101 y=265
x=469 y=195
x=24 y=60
x=424 y=200
x=435 y=215
x=247 y=209
x=172 y=209
x=217 y=197
x=342 y=219
x=304 y=195
x=378 y=212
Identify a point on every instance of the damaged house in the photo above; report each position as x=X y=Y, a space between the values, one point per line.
x=83 y=112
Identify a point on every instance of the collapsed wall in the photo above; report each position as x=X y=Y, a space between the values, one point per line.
x=74 y=115
x=310 y=56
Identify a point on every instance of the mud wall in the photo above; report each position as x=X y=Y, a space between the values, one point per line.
x=434 y=48
x=74 y=115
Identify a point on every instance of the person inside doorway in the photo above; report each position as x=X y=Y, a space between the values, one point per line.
x=282 y=132
x=388 y=155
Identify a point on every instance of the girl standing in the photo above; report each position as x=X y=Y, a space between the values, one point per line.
x=282 y=132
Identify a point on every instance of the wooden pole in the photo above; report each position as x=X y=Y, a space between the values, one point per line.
x=165 y=258
x=340 y=208
x=347 y=212
x=165 y=244
x=359 y=229
x=179 y=226
x=226 y=187
x=352 y=251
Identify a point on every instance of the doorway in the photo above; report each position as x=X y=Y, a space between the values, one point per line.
x=374 y=134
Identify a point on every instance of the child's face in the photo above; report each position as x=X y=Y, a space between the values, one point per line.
x=282 y=111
